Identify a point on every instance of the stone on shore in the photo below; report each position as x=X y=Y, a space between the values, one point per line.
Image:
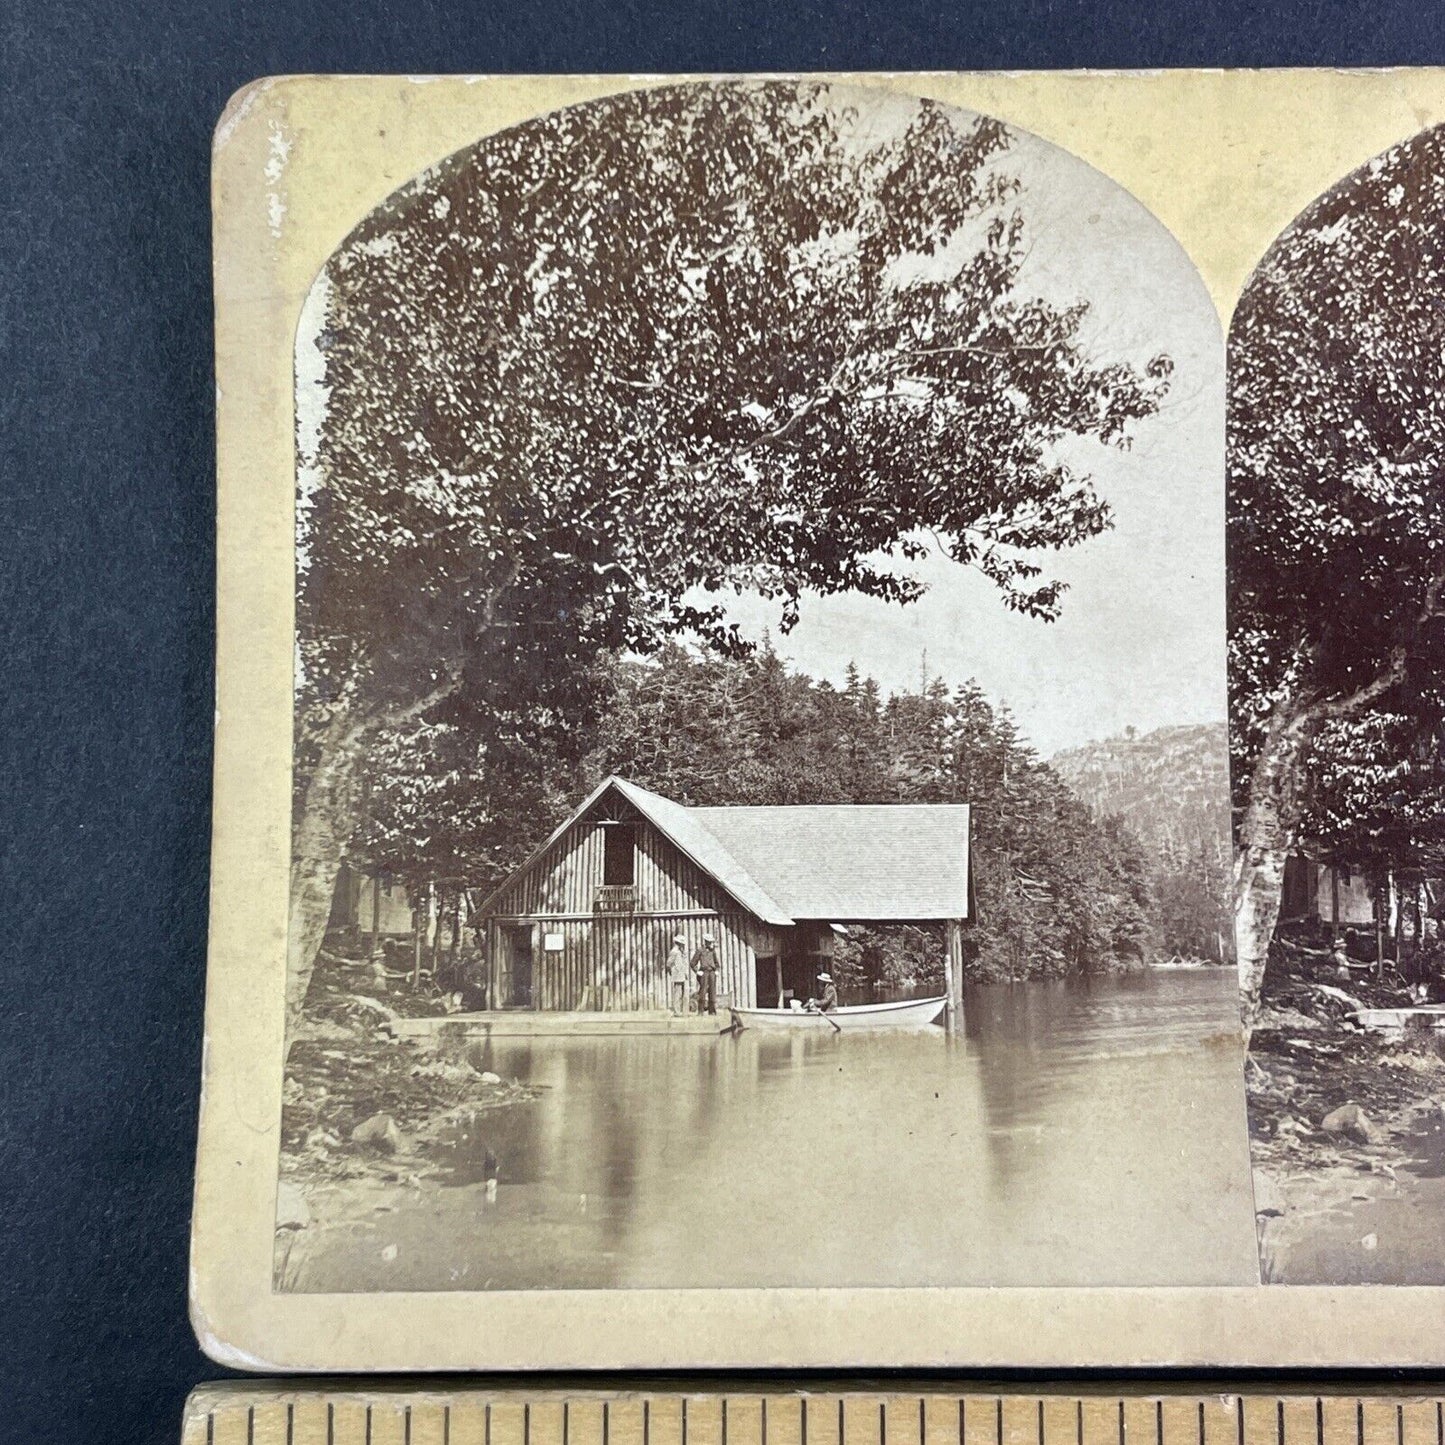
x=292 y=1211
x=1352 y=1121
x=1268 y=1198
x=451 y=1071
x=372 y=1005
x=380 y=1133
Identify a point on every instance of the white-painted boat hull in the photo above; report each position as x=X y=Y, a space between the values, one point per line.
x=912 y=1013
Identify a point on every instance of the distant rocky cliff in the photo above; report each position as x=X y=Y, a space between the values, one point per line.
x=1171 y=786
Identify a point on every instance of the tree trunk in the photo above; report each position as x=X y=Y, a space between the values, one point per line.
x=454 y=947
x=1397 y=920
x=318 y=845
x=1377 y=907
x=322 y=833
x=435 y=909
x=375 y=916
x=1270 y=821
x=1266 y=838
x=1410 y=932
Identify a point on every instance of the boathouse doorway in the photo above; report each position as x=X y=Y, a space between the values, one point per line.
x=807 y=951
x=768 y=980
x=519 y=939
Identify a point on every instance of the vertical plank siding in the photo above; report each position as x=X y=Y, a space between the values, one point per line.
x=616 y=961
x=619 y=961
x=565 y=878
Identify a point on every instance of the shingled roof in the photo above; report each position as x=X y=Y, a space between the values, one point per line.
x=840 y=863
x=702 y=845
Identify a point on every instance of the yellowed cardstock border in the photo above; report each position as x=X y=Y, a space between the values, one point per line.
x=1225 y=160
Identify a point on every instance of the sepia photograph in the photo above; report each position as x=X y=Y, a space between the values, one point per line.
x=1337 y=639
x=761 y=783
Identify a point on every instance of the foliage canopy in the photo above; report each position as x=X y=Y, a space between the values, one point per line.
x=759 y=334
x=1336 y=522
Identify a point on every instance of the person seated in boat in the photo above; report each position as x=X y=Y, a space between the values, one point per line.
x=827 y=1001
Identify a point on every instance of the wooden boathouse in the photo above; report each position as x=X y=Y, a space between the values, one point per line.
x=585 y=924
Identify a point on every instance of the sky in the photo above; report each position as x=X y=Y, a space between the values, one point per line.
x=1141 y=640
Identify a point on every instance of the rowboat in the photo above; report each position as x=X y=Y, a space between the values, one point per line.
x=909 y=1013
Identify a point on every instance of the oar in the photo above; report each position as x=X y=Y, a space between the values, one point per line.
x=824 y=1012
x=831 y=1024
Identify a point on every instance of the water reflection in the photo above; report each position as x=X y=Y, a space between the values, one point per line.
x=1075 y=1134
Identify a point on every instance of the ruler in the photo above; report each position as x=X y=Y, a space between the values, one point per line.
x=268 y=1414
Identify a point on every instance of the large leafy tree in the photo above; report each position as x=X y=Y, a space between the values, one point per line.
x=1376 y=794
x=584 y=372
x=435 y=810
x=1336 y=521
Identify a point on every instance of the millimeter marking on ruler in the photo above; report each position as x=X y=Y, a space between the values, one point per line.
x=267 y=1414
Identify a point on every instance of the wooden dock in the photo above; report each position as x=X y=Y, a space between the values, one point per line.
x=528 y=1024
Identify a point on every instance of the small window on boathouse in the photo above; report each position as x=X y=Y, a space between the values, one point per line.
x=619 y=854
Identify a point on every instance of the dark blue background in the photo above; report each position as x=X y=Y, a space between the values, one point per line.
x=106 y=110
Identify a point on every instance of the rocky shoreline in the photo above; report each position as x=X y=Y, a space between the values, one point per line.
x=365 y=1115
x=1346 y=1133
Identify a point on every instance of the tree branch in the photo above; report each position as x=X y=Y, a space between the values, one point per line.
x=1332 y=708
x=967 y=350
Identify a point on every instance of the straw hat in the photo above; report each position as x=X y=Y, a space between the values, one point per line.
x=825 y=978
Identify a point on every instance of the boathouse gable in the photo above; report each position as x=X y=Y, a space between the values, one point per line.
x=587 y=923
x=568 y=877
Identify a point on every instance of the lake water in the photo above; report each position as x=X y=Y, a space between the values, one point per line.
x=1073 y=1134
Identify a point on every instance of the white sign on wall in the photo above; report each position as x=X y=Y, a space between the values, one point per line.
x=551 y=943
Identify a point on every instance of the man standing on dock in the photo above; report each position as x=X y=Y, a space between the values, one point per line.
x=677 y=975
x=706 y=964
